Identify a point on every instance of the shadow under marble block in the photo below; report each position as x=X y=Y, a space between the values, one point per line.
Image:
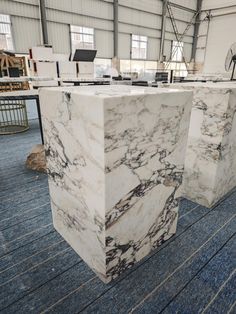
x=115 y=159
x=210 y=165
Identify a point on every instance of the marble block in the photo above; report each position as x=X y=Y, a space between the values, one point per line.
x=210 y=166
x=207 y=77
x=115 y=157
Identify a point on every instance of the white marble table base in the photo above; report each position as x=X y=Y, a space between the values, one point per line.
x=115 y=159
x=210 y=166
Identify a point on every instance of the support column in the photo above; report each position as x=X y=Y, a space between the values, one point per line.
x=115 y=60
x=163 y=29
x=196 y=30
x=43 y=21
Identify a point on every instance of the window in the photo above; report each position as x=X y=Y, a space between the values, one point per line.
x=179 y=68
x=101 y=66
x=6 y=41
x=139 y=47
x=177 y=51
x=81 y=37
x=140 y=68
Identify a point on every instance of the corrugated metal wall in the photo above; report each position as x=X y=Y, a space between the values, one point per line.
x=216 y=35
x=144 y=18
x=135 y=16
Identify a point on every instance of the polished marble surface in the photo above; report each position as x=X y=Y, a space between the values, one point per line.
x=207 y=77
x=115 y=159
x=210 y=166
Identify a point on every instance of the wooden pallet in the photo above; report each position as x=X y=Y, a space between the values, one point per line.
x=7 y=61
x=8 y=87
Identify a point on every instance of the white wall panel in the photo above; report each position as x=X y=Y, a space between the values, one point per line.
x=131 y=29
x=133 y=20
x=153 y=49
x=104 y=44
x=19 y=9
x=201 y=43
x=181 y=28
x=187 y=51
x=182 y=15
x=216 y=36
x=32 y=2
x=171 y=36
x=210 y=4
x=124 y=46
x=192 y=4
x=220 y=38
x=26 y=33
x=59 y=37
x=203 y=25
x=200 y=55
x=167 y=49
x=96 y=8
x=202 y=38
x=75 y=19
x=154 y=6
x=143 y=19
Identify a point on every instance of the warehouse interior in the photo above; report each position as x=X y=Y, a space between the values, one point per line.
x=118 y=156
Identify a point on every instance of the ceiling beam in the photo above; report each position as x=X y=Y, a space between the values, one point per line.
x=196 y=30
x=181 y=7
x=163 y=29
x=43 y=19
x=116 y=26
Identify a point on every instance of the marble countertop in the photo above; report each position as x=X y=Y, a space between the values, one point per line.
x=78 y=79
x=212 y=85
x=24 y=79
x=207 y=77
x=28 y=92
x=113 y=91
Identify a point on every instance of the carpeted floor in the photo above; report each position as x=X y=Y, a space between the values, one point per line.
x=193 y=272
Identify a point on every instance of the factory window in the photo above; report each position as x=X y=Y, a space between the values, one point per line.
x=81 y=37
x=6 y=42
x=177 y=51
x=102 y=66
x=139 y=47
x=179 y=68
x=141 y=69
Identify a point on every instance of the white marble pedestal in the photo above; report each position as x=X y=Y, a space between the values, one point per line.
x=115 y=160
x=210 y=166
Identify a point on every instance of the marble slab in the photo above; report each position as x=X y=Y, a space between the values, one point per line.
x=207 y=77
x=115 y=157
x=210 y=166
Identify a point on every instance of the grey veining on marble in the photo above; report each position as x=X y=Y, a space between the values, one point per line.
x=115 y=158
x=210 y=166
x=208 y=77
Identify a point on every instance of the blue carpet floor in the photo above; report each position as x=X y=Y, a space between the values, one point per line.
x=193 y=272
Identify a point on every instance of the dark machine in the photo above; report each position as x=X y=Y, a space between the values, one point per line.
x=230 y=61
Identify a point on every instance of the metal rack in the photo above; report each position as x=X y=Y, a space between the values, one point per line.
x=13 y=117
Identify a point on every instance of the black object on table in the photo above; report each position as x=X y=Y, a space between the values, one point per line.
x=193 y=81
x=161 y=76
x=92 y=82
x=86 y=55
x=14 y=72
x=27 y=97
x=140 y=83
